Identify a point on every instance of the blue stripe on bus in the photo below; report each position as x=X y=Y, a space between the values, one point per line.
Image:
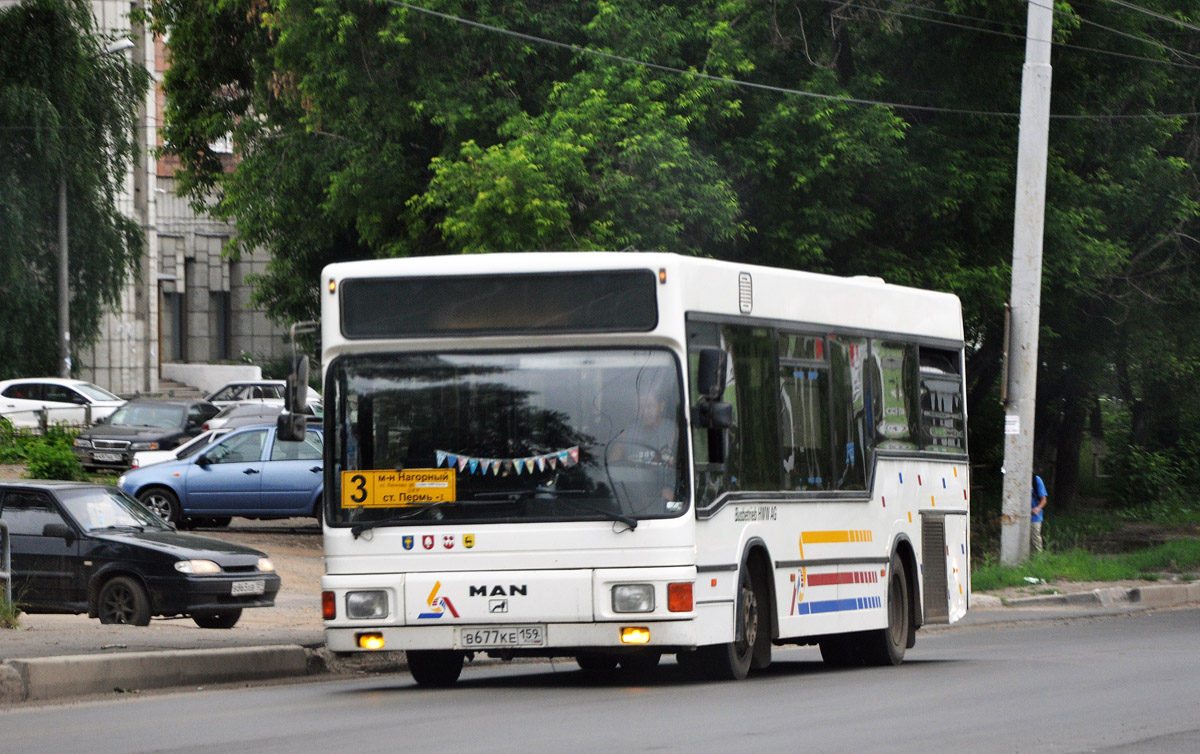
x=839 y=606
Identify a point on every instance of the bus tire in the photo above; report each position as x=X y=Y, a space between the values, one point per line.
x=885 y=646
x=640 y=664
x=732 y=661
x=839 y=650
x=435 y=667
x=596 y=662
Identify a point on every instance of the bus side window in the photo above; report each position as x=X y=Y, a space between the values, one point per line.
x=851 y=441
x=893 y=367
x=804 y=412
x=941 y=402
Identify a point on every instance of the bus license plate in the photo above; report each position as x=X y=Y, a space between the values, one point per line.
x=501 y=637
x=248 y=587
x=107 y=457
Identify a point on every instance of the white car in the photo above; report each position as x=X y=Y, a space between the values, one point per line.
x=255 y=391
x=144 y=458
x=21 y=401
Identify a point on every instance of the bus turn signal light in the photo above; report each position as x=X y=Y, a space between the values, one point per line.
x=635 y=635
x=679 y=597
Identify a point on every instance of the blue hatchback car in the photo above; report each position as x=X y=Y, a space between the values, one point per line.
x=248 y=472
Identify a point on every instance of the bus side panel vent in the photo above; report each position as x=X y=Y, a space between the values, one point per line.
x=933 y=554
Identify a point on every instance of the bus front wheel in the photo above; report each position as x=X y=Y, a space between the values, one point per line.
x=435 y=667
x=732 y=661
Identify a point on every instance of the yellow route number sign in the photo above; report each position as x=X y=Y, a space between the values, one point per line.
x=396 y=489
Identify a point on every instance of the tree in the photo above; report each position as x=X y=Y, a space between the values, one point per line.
x=367 y=129
x=66 y=110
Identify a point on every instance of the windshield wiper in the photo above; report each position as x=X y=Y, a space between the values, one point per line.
x=362 y=526
x=562 y=496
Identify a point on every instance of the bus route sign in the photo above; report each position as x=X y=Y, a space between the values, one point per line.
x=389 y=488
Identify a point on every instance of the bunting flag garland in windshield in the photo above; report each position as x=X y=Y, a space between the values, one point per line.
x=498 y=466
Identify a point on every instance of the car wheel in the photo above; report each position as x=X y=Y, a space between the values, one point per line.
x=163 y=502
x=123 y=600
x=224 y=619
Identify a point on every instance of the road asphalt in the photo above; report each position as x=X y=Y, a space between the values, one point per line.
x=63 y=656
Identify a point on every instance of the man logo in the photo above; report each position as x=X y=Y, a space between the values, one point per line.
x=497 y=606
x=407 y=541
x=499 y=591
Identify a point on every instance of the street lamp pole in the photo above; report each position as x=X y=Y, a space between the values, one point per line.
x=64 y=258
x=64 y=283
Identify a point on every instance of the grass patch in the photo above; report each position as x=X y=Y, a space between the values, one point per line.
x=10 y=614
x=1180 y=555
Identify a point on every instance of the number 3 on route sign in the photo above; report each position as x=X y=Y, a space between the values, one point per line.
x=396 y=489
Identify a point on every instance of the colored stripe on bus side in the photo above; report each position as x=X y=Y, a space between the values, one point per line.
x=839 y=606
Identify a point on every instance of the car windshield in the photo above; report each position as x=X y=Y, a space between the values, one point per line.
x=148 y=415
x=564 y=435
x=96 y=508
x=95 y=392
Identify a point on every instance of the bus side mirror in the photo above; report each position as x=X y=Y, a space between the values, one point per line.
x=713 y=415
x=291 y=427
x=295 y=395
x=710 y=375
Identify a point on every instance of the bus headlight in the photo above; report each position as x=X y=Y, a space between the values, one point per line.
x=633 y=598
x=364 y=605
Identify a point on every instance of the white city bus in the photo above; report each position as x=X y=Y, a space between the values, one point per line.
x=616 y=456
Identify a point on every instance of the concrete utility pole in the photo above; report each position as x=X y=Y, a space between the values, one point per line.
x=1026 y=297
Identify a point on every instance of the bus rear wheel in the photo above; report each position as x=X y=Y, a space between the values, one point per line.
x=886 y=646
x=435 y=667
x=883 y=646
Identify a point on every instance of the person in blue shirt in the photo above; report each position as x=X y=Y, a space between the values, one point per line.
x=1037 y=504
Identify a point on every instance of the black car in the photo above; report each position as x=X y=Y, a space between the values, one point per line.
x=141 y=425
x=90 y=548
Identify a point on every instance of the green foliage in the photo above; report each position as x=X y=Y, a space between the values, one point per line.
x=372 y=130
x=68 y=112
x=10 y=613
x=50 y=456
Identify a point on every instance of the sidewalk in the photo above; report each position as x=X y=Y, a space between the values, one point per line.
x=60 y=656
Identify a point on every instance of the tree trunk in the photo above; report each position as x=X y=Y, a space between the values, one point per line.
x=1070 y=441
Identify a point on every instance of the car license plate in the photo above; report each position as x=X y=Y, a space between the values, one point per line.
x=107 y=457
x=248 y=587
x=498 y=637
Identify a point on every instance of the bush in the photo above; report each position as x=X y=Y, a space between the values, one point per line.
x=52 y=460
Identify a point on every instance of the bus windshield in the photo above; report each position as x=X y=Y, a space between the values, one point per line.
x=570 y=435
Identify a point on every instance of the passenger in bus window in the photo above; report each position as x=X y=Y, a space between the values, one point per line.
x=651 y=440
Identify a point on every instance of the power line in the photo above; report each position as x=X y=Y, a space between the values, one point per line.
x=691 y=74
x=1023 y=38
x=754 y=85
x=1154 y=14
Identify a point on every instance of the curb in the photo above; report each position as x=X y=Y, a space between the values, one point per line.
x=1143 y=596
x=74 y=675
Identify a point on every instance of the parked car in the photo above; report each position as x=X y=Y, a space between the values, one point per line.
x=245 y=412
x=255 y=391
x=71 y=401
x=248 y=472
x=141 y=425
x=89 y=548
x=144 y=458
